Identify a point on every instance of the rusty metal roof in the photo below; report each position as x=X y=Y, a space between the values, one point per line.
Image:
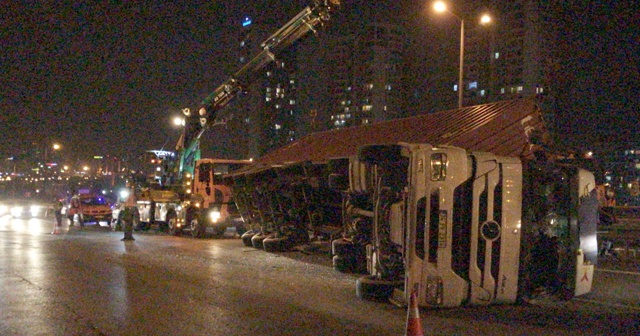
x=502 y=128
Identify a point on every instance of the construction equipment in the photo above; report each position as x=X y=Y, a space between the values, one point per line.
x=206 y=202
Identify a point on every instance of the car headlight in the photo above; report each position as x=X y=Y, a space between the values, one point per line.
x=3 y=209
x=16 y=211
x=34 y=210
x=214 y=215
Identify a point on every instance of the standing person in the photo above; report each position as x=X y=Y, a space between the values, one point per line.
x=57 y=210
x=129 y=213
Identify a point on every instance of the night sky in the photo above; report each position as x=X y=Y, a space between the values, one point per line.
x=106 y=77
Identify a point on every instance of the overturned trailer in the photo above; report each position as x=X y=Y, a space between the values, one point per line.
x=484 y=215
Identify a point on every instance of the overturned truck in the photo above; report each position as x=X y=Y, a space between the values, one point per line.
x=459 y=207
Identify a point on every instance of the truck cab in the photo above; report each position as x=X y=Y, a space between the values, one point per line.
x=473 y=228
x=210 y=201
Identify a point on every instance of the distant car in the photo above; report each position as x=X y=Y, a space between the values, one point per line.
x=85 y=208
x=26 y=208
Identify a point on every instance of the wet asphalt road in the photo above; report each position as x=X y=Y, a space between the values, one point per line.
x=88 y=282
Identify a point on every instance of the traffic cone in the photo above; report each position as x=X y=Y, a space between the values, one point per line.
x=414 y=325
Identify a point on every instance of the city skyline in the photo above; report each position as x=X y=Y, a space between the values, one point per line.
x=106 y=79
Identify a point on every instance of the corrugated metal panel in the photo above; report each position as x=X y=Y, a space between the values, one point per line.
x=501 y=128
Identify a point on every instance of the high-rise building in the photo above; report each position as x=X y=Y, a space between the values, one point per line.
x=268 y=109
x=366 y=75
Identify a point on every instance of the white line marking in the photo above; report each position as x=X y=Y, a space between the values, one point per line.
x=616 y=271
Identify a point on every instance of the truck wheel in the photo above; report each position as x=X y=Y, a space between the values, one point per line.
x=343 y=264
x=257 y=240
x=172 y=227
x=246 y=238
x=277 y=244
x=81 y=220
x=372 y=288
x=197 y=229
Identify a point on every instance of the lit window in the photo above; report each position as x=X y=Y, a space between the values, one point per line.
x=502 y=90
x=496 y=55
x=277 y=126
x=365 y=121
x=342 y=102
x=277 y=106
x=242 y=43
x=388 y=87
x=369 y=86
x=292 y=81
x=267 y=98
x=482 y=93
x=268 y=73
x=292 y=102
x=349 y=88
x=367 y=107
x=268 y=89
x=241 y=59
x=519 y=88
x=455 y=87
x=473 y=85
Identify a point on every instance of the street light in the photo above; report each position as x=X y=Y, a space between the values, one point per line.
x=440 y=6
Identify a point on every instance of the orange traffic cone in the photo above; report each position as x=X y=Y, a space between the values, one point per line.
x=414 y=325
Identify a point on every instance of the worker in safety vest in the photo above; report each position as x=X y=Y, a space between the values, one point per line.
x=57 y=210
x=129 y=213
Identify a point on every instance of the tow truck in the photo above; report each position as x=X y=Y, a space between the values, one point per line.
x=207 y=203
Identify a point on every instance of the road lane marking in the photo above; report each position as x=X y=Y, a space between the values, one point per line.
x=617 y=272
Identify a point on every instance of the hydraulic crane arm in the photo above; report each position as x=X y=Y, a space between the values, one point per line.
x=306 y=21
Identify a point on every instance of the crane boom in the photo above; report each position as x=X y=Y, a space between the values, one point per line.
x=306 y=21
x=303 y=23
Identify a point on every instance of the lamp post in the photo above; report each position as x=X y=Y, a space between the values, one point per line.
x=440 y=6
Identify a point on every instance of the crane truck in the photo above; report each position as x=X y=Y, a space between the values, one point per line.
x=207 y=202
x=488 y=216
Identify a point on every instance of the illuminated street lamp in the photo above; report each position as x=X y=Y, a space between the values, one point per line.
x=440 y=7
x=179 y=121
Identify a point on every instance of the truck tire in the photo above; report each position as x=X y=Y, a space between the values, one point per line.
x=172 y=228
x=246 y=238
x=257 y=239
x=197 y=228
x=277 y=244
x=371 y=288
